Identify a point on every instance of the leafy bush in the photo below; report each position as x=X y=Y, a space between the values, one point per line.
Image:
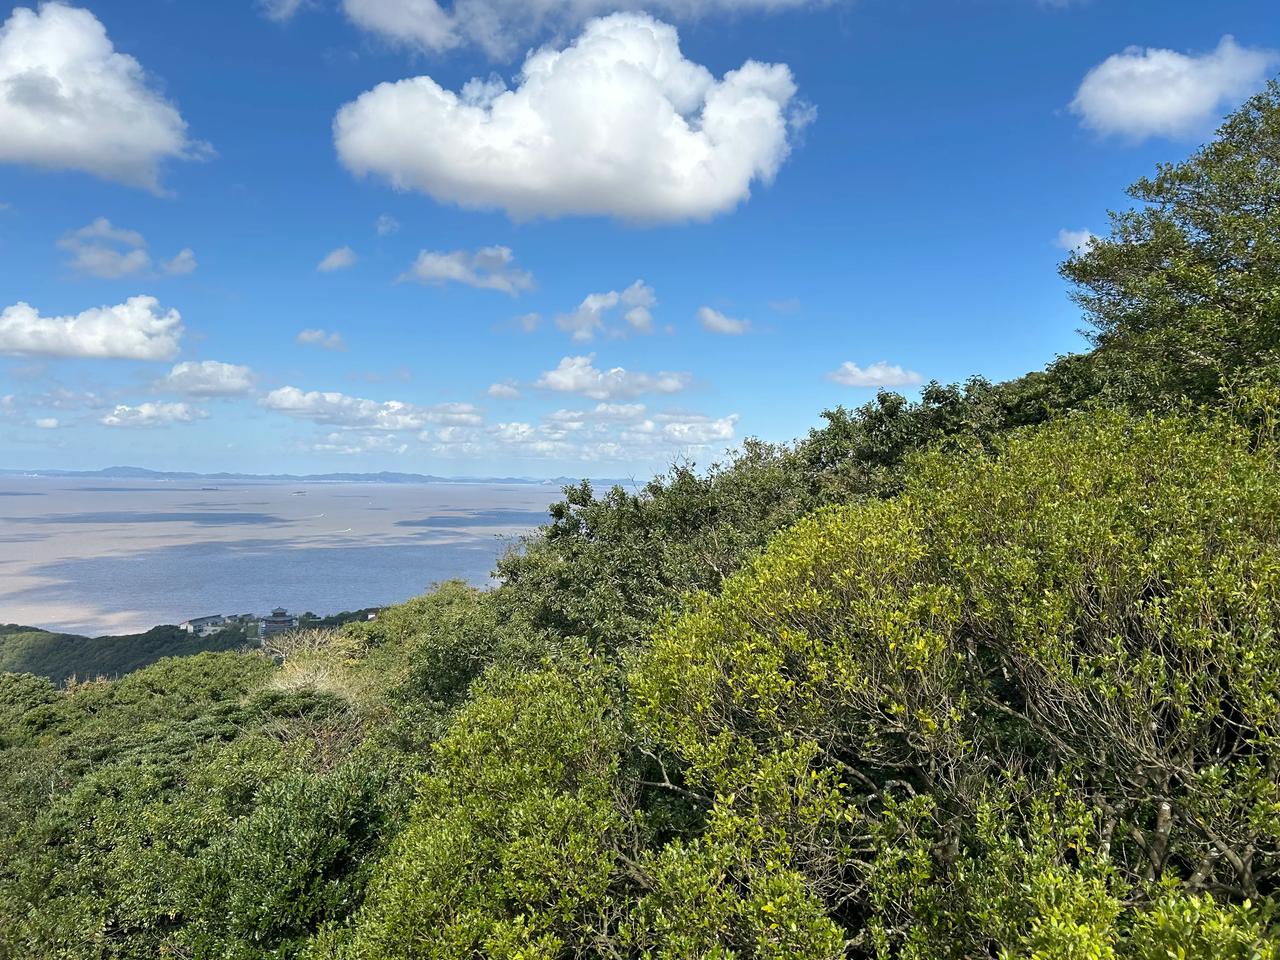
x=1094 y=612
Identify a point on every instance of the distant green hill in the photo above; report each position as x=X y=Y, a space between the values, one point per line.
x=61 y=656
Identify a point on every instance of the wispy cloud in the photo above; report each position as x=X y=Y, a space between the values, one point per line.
x=504 y=391
x=339 y=259
x=881 y=374
x=717 y=322
x=637 y=301
x=1076 y=241
x=109 y=252
x=489 y=268
x=325 y=339
x=504 y=27
x=280 y=10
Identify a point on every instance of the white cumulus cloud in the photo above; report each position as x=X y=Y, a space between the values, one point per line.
x=580 y=375
x=880 y=374
x=60 y=398
x=717 y=322
x=1142 y=93
x=69 y=101
x=618 y=123
x=503 y=27
x=152 y=415
x=338 y=259
x=351 y=444
x=607 y=412
x=588 y=319
x=209 y=378
x=489 y=268
x=137 y=329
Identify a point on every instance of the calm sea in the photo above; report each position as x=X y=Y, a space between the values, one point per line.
x=98 y=557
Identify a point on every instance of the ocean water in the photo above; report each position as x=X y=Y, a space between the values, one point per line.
x=98 y=557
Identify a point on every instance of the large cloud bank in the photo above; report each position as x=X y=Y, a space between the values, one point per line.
x=339 y=409
x=618 y=123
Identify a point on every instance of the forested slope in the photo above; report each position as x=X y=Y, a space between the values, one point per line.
x=62 y=656
x=992 y=674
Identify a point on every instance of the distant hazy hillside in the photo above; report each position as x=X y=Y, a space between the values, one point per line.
x=60 y=656
x=140 y=473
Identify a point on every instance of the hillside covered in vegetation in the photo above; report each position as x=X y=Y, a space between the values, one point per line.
x=990 y=674
x=65 y=656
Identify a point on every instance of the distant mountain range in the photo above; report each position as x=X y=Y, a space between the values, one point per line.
x=140 y=473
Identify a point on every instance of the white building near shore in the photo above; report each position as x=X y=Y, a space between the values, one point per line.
x=204 y=626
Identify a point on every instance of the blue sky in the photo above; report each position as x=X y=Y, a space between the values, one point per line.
x=676 y=226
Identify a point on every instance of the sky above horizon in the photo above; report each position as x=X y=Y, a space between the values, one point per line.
x=539 y=238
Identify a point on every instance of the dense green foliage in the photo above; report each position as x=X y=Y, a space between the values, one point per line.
x=991 y=674
x=1186 y=290
x=198 y=806
x=61 y=656
x=1069 y=646
x=883 y=735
